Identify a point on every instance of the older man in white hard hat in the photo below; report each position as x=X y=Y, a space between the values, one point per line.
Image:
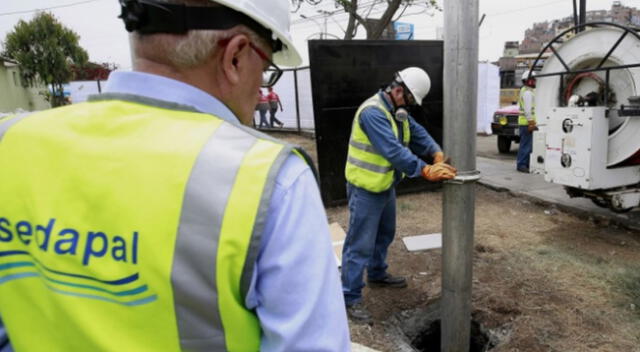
x=151 y=219
x=526 y=119
x=385 y=146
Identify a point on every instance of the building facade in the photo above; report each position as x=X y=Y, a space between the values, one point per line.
x=518 y=57
x=14 y=95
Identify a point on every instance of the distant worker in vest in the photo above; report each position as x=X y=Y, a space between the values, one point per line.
x=274 y=102
x=526 y=120
x=152 y=218
x=385 y=146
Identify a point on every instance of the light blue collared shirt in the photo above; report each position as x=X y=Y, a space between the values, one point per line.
x=295 y=289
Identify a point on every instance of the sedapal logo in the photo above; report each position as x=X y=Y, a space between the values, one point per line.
x=21 y=240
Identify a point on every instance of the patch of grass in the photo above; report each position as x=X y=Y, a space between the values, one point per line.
x=628 y=282
x=405 y=206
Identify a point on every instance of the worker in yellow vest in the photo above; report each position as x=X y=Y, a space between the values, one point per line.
x=526 y=119
x=151 y=219
x=385 y=145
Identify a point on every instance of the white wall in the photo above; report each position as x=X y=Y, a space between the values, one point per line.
x=80 y=90
x=285 y=88
x=488 y=95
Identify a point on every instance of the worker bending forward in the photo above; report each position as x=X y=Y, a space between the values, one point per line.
x=384 y=147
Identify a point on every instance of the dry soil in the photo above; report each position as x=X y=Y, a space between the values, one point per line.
x=543 y=280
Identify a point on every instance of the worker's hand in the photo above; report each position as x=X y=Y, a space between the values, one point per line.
x=532 y=126
x=439 y=172
x=438 y=157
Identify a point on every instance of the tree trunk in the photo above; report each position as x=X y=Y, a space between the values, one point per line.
x=375 y=32
x=57 y=95
x=351 y=26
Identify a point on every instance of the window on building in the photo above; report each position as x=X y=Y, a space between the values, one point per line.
x=16 y=80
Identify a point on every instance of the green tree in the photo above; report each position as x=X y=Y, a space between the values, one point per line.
x=359 y=11
x=45 y=50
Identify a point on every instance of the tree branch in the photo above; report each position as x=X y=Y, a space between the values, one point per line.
x=377 y=30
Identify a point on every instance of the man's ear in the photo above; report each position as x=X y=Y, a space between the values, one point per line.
x=234 y=57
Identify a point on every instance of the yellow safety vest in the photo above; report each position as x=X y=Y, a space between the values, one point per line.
x=522 y=119
x=366 y=167
x=130 y=224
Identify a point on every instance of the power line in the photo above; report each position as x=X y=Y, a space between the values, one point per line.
x=340 y=11
x=47 y=8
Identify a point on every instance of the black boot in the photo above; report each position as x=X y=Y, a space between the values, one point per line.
x=358 y=313
x=388 y=281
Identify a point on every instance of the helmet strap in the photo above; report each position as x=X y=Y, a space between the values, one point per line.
x=399 y=111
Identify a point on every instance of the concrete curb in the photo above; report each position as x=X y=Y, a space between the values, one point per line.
x=577 y=211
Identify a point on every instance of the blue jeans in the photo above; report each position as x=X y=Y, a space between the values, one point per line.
x=372 y=226
x=272 y=117
x=263 y=118
x=524 y=150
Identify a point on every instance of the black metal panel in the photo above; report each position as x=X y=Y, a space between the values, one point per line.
x=343 y=75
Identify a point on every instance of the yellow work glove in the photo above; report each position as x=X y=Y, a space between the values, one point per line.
x=532 y=126
x=438 y=157
x=439 y=172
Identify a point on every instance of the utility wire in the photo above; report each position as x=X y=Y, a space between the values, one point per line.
x=47 y=8
x=340 y=11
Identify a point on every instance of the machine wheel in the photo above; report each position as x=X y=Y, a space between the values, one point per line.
x=621 y=211
x=504 y=144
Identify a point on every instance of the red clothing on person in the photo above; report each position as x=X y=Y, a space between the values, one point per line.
x=272 y=96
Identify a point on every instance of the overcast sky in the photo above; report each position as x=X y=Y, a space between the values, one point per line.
x=102 y=34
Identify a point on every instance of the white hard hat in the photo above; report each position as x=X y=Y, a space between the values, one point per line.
x=417 y=81
x=525 y=74
x=273 y=15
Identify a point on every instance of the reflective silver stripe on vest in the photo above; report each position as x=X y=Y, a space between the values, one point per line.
x=369 y=166
x=362 y=146
x=5 y=125
x=261 y=219
x=193 y=273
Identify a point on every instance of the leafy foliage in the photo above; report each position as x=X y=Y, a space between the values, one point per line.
x=45 y=49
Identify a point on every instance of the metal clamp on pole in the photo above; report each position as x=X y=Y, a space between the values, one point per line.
x=465 y=177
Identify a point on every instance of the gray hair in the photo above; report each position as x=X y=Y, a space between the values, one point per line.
x=189 y=50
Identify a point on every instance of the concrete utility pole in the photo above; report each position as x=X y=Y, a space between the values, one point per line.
x=460 y=100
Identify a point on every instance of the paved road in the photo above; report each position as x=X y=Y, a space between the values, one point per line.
x=487 y=146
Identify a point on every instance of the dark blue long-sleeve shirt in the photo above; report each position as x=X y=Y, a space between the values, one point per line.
x=405 y=160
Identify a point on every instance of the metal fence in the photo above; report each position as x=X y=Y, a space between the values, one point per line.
x=294 y=90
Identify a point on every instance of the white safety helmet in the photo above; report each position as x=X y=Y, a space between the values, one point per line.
x=525 y=75
x=417 y=81
x=273 y=15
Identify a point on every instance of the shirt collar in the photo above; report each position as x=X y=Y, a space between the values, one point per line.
x=386 y=101
x=167 y=89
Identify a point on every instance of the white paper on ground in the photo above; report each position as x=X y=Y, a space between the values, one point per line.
x=423 y=242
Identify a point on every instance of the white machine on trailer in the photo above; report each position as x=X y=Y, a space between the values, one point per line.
x=588 y=110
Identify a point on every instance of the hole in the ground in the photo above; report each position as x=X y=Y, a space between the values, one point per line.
x=418 y=330
x=429 y=339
